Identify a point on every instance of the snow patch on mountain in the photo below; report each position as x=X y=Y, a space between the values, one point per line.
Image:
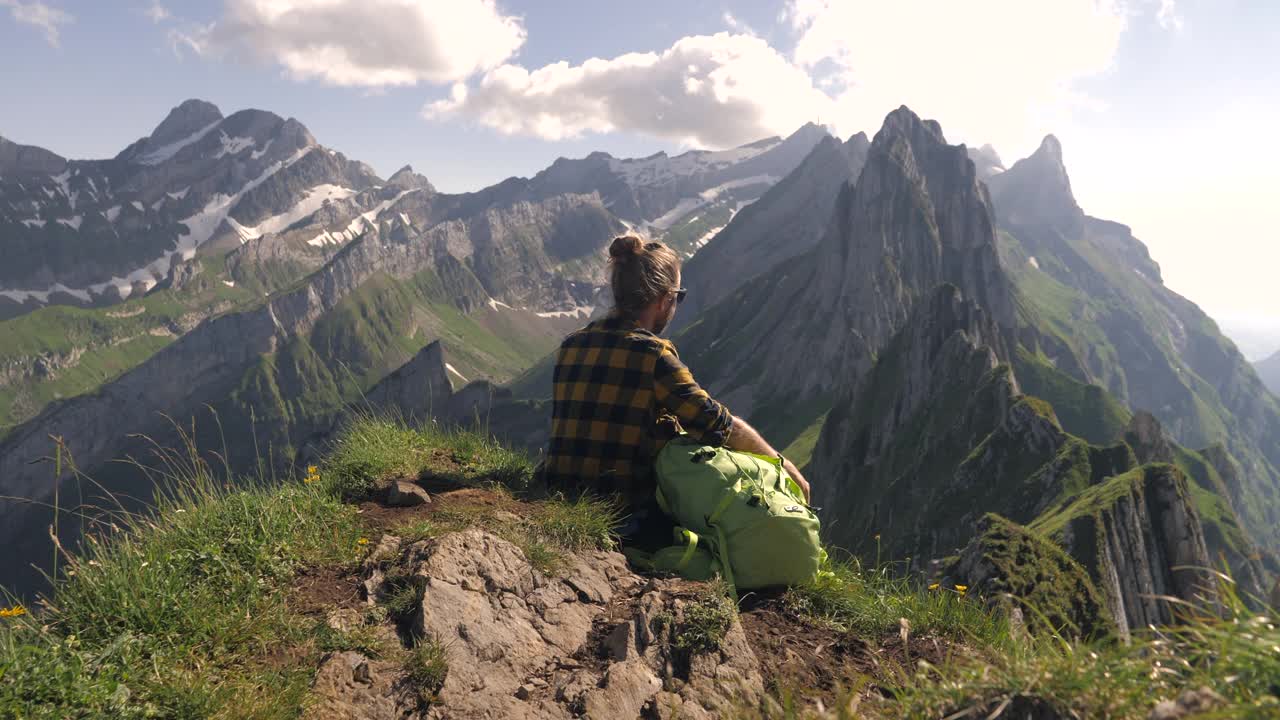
x=180 y=194
x=315 y=198
x=201 y=226
x=583 y=311
x=164 y=152
x=43 y=295
x=689 y=204
x=233 y=145
x=112 y=213
x=358 y=225
x=262 y=150
x=34 y=223
x=73 y=223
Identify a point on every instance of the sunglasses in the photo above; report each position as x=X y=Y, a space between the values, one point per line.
x=680 y=293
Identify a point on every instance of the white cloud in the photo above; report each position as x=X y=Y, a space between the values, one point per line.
x=1003 y=71
x=367 y=43
x=711 y=91
x=736 y=25
x=156 y=12
x=40 y=15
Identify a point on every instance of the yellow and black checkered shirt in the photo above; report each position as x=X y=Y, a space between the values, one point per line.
x=613 y=382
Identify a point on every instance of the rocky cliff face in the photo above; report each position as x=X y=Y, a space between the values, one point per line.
x=891 y=443
x=917 y=217
x=787 y=221
x=1141 y=539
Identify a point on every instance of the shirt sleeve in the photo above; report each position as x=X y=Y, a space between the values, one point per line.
x=679 y=394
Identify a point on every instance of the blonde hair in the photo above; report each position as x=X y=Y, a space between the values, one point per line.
x=640 y=272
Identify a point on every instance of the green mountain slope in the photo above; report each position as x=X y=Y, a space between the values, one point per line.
x=1094 y=300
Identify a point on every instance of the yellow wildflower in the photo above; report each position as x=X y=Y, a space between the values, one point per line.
x=934 y=586
x=14 y=611
x=962 y=589
x=312 y=469
x=362 y=541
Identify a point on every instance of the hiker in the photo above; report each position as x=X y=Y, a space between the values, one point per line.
x=620 y=391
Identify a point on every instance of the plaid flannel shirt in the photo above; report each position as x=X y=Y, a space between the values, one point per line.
x=614 y=386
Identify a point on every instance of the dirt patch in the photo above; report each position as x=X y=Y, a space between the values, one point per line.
x=812 y=662
x=317 y=591
x=378 y=517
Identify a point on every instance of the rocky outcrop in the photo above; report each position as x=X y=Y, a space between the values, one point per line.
x=1023 y=573
x=1139 y=536
x=594 y=641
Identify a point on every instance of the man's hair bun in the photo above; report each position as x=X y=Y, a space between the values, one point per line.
x=625 y=246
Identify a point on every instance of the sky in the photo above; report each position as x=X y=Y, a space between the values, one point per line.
x=1167 y=110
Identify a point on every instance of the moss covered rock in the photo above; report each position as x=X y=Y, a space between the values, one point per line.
x=1008 y=564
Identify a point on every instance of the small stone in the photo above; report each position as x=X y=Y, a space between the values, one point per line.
x=524 y=692
x=1166 y=710
x=360 y=673
x=406 y=494
x=538 y=682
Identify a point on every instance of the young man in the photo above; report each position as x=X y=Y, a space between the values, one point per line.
x=620 y=389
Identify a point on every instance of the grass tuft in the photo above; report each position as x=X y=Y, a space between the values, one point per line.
x=427 y=666
x=705 y=621
x=375 y=449
x=872 y=603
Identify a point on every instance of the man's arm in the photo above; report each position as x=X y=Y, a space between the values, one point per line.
x=744 y=437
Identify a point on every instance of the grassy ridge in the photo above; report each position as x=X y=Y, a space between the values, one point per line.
x=183 y=612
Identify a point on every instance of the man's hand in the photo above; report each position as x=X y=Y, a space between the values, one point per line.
x=794 y=472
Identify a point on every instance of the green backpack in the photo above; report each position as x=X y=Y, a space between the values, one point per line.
x=742 y=517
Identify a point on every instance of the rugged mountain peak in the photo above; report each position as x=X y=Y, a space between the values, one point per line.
x=859 y=141
x=917 y=201
x=407 y=179
x=1050 y=149
x=809 y=134
x=185 y=120
x=907 y=125
x=986 y=160
x=1037 y=190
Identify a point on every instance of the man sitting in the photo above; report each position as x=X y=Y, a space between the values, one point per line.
x=619 y=389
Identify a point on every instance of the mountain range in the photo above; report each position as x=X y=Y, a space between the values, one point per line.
x=280 y=282
x=934 y=337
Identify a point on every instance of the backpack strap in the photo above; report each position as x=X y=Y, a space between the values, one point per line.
x=690 y=539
